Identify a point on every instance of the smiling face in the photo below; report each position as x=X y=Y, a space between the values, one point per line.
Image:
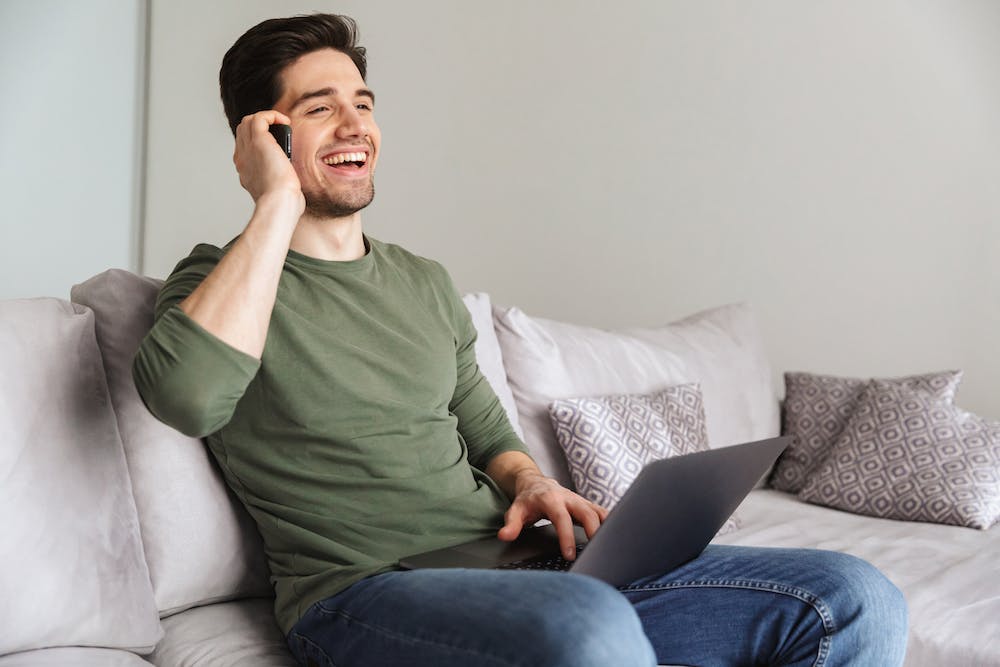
x=335 y=140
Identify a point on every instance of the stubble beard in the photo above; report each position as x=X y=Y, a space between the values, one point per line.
x=322 y=204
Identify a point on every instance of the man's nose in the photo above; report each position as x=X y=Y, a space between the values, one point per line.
x=352 y=123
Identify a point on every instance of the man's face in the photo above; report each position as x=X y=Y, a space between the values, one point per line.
x=335 y=140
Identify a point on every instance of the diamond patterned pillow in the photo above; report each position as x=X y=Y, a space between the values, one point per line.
x=907 y=455
x=609 y=439
x=818 y=407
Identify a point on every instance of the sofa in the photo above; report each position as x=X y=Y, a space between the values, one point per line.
x=122 y=546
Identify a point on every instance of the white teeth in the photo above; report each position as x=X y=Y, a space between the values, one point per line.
x=340 y=158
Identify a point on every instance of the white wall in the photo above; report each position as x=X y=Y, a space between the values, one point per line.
x=833 y=162
x=71 y=76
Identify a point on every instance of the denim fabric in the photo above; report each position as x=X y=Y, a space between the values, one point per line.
x=730 y=606
x=760 y=606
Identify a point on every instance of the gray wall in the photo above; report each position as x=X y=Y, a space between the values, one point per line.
x=71 y=76
x=833 y=162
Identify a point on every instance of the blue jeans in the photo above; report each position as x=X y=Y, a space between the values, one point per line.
x=729 y=606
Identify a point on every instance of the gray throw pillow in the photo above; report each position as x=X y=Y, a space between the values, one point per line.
x=907 y=455
x=818 y=407
x=609 y=439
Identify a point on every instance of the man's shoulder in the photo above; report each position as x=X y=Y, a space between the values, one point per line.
x=202 y=256
x=427 y=279
x=403 y=258
x=188 y=274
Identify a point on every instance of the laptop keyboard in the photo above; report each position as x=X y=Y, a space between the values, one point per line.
x=554 y=563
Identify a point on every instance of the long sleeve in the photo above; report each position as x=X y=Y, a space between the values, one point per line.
x=188 y=378
x=482 y=420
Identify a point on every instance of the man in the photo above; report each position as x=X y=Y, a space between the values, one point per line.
x=335 y=379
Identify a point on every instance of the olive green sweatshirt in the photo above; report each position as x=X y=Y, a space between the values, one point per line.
x=360 y=436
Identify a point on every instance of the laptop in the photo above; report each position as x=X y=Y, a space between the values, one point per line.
x=666 y=518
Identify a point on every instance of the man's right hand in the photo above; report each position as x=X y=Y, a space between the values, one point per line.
x=235 y=300
x=263 y=167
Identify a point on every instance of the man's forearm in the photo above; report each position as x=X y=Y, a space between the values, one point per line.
x=504 y=469
x=235 y=300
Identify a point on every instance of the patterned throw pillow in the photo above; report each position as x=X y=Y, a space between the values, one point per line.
x=906 y=455
x=609 y=439
x=818 y=407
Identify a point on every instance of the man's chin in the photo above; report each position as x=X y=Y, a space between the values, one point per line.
x=323 y=206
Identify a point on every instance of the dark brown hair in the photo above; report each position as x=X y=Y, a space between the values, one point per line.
x=249 y=79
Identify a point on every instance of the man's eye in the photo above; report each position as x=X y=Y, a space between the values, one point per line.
x=317 y=110
x=365 y=106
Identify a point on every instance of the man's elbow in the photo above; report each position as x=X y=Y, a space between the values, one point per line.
x=184 y=408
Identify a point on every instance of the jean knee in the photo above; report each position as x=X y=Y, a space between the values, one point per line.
x=869 y=603
x=588 y=623
x=886 y=599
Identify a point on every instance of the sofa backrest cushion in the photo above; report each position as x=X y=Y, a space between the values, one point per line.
x=72 y=570
x=548 y=360
x=200 y=543
x=720 y=349
x=724 y=349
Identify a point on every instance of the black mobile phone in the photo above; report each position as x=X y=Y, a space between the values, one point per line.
x=283 y=135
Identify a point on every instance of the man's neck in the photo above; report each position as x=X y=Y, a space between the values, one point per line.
x=330 y=239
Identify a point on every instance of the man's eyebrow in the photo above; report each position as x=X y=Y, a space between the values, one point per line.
x=326 y=92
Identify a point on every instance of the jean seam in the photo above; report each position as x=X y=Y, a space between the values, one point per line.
x=814 y=601
x=416 y=640
x=305 y=640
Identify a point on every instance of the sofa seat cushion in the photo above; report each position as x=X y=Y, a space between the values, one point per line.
x=949 y=575
x=73 y=655
x=225 y=634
